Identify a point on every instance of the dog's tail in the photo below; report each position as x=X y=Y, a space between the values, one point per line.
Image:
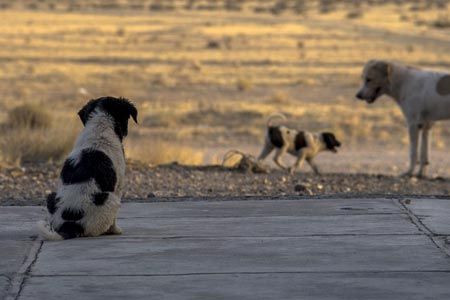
x=47 y=233
x=275 y=116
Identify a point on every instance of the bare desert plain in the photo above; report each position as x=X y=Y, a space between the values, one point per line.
x=205 y=75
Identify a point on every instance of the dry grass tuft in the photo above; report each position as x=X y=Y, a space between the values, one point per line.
x=243 y=84
x=158 y=153
x=29 y=116
x=442 y=21
x=22 y=145
x=28 y=136
x=280 y=97
x=354 y=14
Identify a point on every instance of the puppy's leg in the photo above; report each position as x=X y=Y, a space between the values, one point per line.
x=277 y=157
x=413 y=143
x=298 y=163
x=313 y=166
x=424 y=151
x=268 y=147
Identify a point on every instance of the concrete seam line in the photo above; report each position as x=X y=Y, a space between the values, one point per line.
x=243 y=273
x=435 y=239
x=17 y=283
x=356 y=196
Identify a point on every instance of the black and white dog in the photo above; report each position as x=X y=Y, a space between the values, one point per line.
x=92 y=178
x=304 y=145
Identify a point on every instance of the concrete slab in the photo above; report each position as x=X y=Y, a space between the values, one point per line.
x=146 y=256
x=294 y=286
x=253 y=249
x=268 y=226
x=433 y=213
x=4 y=284
x=13 y=254
x=19 y=223
x=259 y=208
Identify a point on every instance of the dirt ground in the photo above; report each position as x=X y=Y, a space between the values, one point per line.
x=29 y=184
x=205 y=79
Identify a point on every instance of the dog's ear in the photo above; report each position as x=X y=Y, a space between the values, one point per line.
x=330 y=141
x=385 y=68
x=120 y=109
x=87 y=110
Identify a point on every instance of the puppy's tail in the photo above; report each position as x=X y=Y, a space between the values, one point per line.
x=47 y=233
x=275 y=116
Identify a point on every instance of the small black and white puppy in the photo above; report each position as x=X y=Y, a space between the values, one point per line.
x=302 y=144
x=91 y=181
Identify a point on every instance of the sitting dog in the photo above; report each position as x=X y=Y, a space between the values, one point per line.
x=423 y=96
x=92 y=178
x=301 y=144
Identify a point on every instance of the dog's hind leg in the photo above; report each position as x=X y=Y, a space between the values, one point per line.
x=268 y=147
x=298 y=163
x=277 y=157
x=313 y=166
x=413 y=144
x=424 y=151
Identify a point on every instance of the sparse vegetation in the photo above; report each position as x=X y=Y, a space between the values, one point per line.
x=209 y=83
x=159 y=152
x=354 y=14
x=244 y=84
x=280 y=97
x=29 y=116
x=35 y=145
x=442 y=21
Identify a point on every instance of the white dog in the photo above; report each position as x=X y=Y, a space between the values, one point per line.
x=303 y=145
x=423 y=96
x=91 y=182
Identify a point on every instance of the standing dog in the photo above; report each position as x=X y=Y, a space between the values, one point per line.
x=423 y=96
x=92 y=178
x=301 y=144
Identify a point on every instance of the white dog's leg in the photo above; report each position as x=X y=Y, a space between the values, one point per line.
x=424 y=151
x=265 y=151
x=413 y=143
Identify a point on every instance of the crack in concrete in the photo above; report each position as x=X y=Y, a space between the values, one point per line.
x=349 y=196
x=243 y=273
x=18 y=281
x=437 y=240
x=276 y=216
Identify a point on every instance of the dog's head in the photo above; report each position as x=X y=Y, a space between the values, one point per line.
x=330 y=141
x=376 y=78
x=119 y=109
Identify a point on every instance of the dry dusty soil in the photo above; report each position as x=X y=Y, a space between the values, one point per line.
x=30 y=184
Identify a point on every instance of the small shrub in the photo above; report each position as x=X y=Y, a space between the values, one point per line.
x=243 y=84
x=443 y=21
x=36 y=145
x=120 y=31
x=29 y=116
x=280 y=97
x=213 y=45
x=354 y=14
